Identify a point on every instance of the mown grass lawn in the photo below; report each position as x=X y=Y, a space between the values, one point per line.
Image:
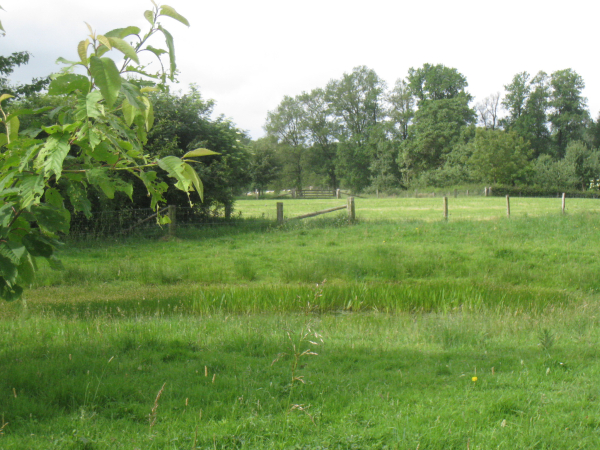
x=426 y=334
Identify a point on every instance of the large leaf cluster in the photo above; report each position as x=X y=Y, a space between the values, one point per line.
x=94 y=139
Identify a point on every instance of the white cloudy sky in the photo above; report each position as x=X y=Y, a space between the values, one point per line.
x=247 y=54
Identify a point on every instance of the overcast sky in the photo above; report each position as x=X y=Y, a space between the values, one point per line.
x=246 y=55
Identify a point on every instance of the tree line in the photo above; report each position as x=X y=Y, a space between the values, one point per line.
x=357 y=134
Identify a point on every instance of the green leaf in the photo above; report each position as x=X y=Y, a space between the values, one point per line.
x=156 y=51
x=78 y=198
x=102 y=178
x=8 y=270
x=104 y=41
x=199 y=152
x=10 y=292
x=149 y=15
x=107 y=78
x=12 y=128
x=51 y=219
x=12 y=251
x=92 y=107
x=141 y=72
x=129 y=112
x=6 y=214
x=53 y=154
x=190 y=174
x=124 y=48
x=171 y=47
x=94 y=138
x=102 y=152
x=132 y=93
x=155 y=190
x=148 y=113
x=27 y=270
x=65 y=84
x=82 y=50
x=37 y=245
x=53 y=197
x=122 y=33
x=53 y=129
x=186 y=176
x=66 y=61
x=170 y=12
x=31 y=189
x=5 y=96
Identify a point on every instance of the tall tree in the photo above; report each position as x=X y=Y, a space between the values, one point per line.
x=443 y=113
x=515 y=99
x=357 y=102
x=263 y=165
x=321 y=133
x=569 y=112
x=356 y=99
x=527 y=103
x=286 y=124
x=488 y=110
x=401 y=110
x=436 y=82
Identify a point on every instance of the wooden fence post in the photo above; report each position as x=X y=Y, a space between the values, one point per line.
x=279 y=212
x=445 y=208
x=490 y=191
x=337 y=193
x=485 y=191
x=455 y=193
x=507 y=206
x=467 y=192
x=172 y=213
x=351 y=210
x=563 y=202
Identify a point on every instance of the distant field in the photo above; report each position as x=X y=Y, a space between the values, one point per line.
x=472 y=208
x=467 y=334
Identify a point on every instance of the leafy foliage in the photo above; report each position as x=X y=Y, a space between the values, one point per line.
x=87 y=145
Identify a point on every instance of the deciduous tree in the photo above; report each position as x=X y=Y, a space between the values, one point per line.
x=569 y=112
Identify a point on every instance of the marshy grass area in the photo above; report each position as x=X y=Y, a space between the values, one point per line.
x=399 y=334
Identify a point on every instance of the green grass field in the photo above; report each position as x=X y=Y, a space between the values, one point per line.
x=430 y=208
x=398 y=332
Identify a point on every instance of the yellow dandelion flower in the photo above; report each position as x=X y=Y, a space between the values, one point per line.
x=474 y=379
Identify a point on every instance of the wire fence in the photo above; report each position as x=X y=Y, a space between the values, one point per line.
x=143 y=222
x=139 y=222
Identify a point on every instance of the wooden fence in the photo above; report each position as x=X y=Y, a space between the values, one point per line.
x=349 y=206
